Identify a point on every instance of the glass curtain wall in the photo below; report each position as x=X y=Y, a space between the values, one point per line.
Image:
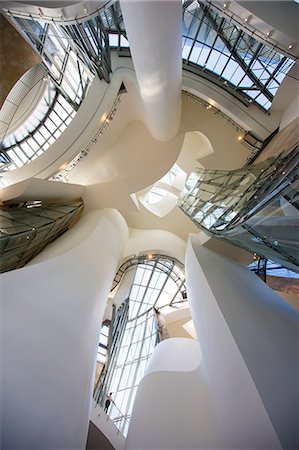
x=71 y=69
x=70 y=72
x=271 y=268
x=255 y=208
x=159 y=283
x=40 y=130
x=214 y=44
x=73 y=53
x=26 y=229
x=68 y=80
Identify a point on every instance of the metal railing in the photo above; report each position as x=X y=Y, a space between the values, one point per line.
x=112 y=412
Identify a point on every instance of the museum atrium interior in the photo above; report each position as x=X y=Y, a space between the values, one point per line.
x=149 y=224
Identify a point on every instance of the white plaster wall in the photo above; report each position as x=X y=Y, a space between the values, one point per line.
x=181 y=404
x=249 y=342
x=155 y=240
x=43 y=190
x=177 y=329
x=50 y=317
x=173 y=408
x=291 y=112
x=175 y=355
x=177 y=323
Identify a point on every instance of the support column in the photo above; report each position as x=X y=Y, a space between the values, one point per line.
x=249 y=341
x=154 y=33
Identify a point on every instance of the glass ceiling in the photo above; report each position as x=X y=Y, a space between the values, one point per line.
x=51 y=117
x=68 y=81
x=213 y=46
x=214 y=43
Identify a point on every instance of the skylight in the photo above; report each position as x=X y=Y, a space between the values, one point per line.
x=160 y=198
x=219 y=48
x=68 y=81
x=42 y=128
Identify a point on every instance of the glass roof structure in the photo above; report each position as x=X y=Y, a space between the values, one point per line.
x=69 y=76
x=40 y=130
x=215 y=45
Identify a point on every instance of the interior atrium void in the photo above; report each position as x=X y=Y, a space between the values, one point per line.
x=149 y=225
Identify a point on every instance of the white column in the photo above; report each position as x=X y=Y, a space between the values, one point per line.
x=154 y=33
x=249 y=341
x=173 y=408
x=51 y=312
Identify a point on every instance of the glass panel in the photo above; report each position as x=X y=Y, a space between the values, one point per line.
x=135 y=336
x=213 y=35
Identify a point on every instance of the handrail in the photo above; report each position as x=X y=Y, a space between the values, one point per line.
x=120 y=420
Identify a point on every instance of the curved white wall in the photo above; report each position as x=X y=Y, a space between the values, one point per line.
x=155 y=240
x=173 y=408
x=50 y=317
x=291 y=112
x=37 y=189
x=243 y=393
x=175 y=355
x=249 y=341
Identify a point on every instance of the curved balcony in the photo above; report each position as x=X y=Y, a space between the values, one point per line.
x=255 y=208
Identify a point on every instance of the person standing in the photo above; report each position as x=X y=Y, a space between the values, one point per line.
x=108 y=401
